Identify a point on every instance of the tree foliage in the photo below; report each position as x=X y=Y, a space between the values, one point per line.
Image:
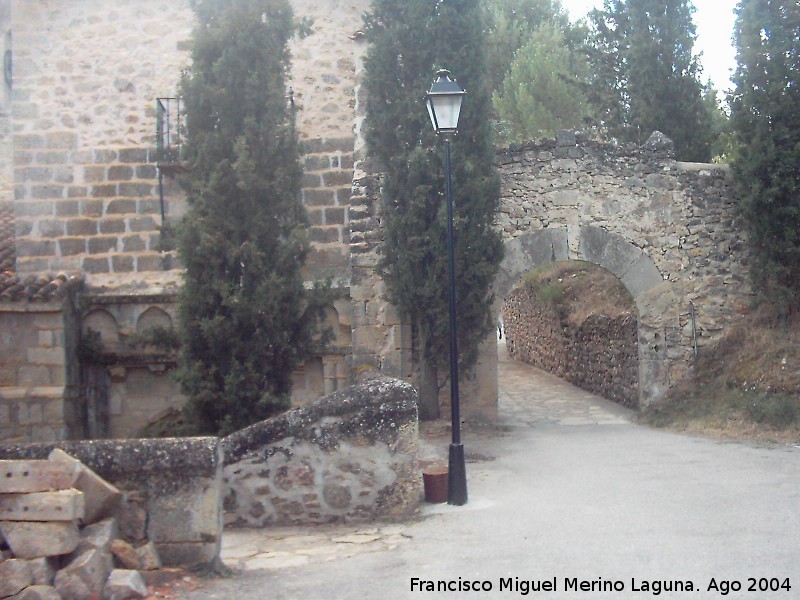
x=410 y=41
x=510 y=25
x=246 y=319
x=766 y=118
x=645 y=76
x=542 y=92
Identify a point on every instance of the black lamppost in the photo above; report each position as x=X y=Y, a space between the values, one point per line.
x=444 y=106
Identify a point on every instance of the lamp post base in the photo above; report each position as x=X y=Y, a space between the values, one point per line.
x=457 y=476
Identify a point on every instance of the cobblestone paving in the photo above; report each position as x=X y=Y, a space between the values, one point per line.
x=527 y=397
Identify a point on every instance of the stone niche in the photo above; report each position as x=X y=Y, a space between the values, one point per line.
x=350 y=456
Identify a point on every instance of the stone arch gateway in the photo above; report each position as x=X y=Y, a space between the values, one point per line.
x=656 y=303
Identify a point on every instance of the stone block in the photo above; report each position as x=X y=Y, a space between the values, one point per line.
x=67 y=208
x=84 y=576
x=136 y=224
x=101 y=497
x=189 y=554
x=149 y=557
x=80 y=227
x=39 y=592
x=43 y=570
x=122 y=264
x=136 y=190
x=121 y=207
x=96 y=265
x=100 y=535
x=15 y=575
x=72 y=246
x=34 y=540
x=120 y=173
x=101 y=245
x=642 y=276
x=125 y=555
x=106 y=190
x=23 y=476
x=62 y=505
x=35 y=248
x=133 y=518
x=124 y=585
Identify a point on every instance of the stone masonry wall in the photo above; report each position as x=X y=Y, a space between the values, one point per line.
x=682 y=215
x=349 y=456
x=600 y=355
x=325 y=81
x=86 y=75
x=40 y=376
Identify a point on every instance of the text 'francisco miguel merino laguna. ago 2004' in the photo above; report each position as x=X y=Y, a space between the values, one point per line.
x=574 y=584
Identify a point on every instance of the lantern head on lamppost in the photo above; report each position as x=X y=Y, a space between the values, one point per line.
x=444 y=107
x=444 y=103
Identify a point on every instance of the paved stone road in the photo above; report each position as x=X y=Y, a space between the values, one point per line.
x=566 y=487
x=529 y=396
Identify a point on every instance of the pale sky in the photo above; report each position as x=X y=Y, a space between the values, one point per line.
x=714 y=22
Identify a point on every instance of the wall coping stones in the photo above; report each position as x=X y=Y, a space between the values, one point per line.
x=372 y=396
x=137 y=458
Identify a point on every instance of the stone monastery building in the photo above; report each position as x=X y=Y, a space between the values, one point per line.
x=89 y=145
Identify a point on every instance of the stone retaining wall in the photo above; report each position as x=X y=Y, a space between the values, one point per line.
x=172 y=489
x=599 y=355
x=350 y=456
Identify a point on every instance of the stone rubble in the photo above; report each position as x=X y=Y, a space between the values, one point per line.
x=63 y=535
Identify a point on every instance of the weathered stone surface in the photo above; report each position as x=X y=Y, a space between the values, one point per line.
x=148 y=557
x=133 y=517
x=348 y=455
x=34 y=476
x=125 y=555
x=34 y=540
x=642 y=276
x=84 y=576
x=124 y=585
x=99 y=535
x=159 y=471
x=101 y=498
x=189 y=554
x=63 y=505
x=15 y=575
x=161 y=576
x=39 y=592
x=42 y=570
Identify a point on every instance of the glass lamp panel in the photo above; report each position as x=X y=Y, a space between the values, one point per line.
x=447 y=109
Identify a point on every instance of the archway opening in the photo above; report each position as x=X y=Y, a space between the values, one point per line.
x=575 y=320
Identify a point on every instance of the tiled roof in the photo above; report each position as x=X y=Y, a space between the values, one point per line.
x=6 y=237
x=41 y=288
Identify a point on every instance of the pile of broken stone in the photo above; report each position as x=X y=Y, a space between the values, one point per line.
x=60 y=535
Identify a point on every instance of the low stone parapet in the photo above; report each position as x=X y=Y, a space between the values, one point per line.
x=171 y=490
x=350 y=456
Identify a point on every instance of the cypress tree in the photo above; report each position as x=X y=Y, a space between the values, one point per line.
x=245 y=318
x=766 y=120
x=646 y=75
x=410 y=41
